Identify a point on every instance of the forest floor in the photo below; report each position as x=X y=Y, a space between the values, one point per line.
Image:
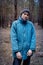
x=6 y=52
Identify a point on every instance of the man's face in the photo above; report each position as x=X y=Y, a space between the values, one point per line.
x=25 y=16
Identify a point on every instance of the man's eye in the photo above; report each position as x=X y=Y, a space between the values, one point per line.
x=24 y=13
x=27 y=15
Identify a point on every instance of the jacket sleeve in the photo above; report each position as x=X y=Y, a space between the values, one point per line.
x=13 y=35
x=33 y=39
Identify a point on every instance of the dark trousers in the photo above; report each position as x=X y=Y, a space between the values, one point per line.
x=18 y=61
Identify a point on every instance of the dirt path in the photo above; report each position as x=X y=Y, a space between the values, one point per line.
x=5 y=47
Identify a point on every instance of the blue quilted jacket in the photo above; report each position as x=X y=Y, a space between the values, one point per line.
x=23 y=37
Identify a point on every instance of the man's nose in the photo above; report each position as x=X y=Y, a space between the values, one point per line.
x=26 y=16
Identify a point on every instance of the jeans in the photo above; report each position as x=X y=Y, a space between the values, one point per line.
x=18 y=61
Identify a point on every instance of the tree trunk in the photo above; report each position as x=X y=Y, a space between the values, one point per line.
x=40 y=18
x=31 y=7
x=15 y=6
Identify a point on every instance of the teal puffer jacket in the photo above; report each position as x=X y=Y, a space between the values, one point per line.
x=23 y=37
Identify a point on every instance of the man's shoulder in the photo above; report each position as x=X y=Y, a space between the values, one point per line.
x=15 y=22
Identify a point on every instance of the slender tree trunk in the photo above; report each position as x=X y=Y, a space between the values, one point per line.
x=40 y=19
x=31 y=7
x=15 y=6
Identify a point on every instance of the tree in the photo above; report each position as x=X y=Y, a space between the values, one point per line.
x=15 y=6
x=40 y=18
x=31 y=7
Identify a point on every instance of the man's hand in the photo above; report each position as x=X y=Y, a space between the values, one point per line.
x=29 y=53
x=18 y=54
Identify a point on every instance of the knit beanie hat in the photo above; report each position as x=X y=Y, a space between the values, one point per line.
x=25 y=10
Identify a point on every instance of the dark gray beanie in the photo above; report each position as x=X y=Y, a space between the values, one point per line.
x=25 y=10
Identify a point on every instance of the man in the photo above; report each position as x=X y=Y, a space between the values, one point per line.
x=23 y=39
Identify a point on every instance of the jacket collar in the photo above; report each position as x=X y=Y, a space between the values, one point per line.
x=22 y=21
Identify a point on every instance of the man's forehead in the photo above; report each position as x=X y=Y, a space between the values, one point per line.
x=26 y=13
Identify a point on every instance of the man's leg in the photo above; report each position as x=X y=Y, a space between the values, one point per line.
x=17 y=61
x=27 y=61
